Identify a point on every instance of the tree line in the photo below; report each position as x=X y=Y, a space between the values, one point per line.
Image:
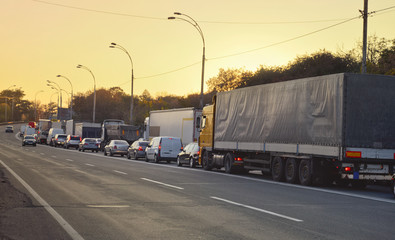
x=114 y=103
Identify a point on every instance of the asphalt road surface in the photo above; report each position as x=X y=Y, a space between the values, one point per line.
x=66 y=194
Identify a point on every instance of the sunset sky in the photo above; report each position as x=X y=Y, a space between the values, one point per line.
x=41 y=39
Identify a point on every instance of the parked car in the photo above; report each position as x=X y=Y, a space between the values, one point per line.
x=9 y=129
x=51 y=135
x=28 y=140
x=72 y=141
x=163 y=149
x=137 y=149
x=116 y=147
x=59 y=140
x=189 y=155
x=88 y=144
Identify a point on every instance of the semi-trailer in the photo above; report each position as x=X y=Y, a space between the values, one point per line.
x=338 y=127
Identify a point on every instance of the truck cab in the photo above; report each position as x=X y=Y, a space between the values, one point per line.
x=206 y=135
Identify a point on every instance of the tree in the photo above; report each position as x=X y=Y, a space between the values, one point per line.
x=227 y=80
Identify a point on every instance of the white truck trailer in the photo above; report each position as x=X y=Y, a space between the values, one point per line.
x=338 y=127
x=182 y=122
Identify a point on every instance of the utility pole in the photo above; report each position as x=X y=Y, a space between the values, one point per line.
x=365 y=34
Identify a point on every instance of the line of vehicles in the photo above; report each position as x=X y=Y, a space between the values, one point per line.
x=330 y=129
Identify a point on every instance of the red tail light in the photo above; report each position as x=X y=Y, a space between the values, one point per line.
x=160 y=147
x=198 y=153
x=238 y=159
x=348 y=169
x=80 y=139
x=140 y=148
x=182 y=148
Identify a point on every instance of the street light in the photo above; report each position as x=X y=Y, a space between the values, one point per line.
x=35 y=104
x=71 y=102
x=49 y=84
x=196 y=25
x=94 y=88
x=114 y=45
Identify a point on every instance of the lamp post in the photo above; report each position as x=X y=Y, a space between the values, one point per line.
x=71 y=101
x=191 y=21
x=94 y=89
x=49 y=84
x=114 y=45
x=35 y=104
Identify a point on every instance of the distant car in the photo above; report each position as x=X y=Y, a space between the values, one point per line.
x=116 y=147
x=137 y=149
x=59 y=140
x=189 y=155
x=163 y=148
x=9 y=129
x=88 y=144
x=72 y=141
x=28 y=140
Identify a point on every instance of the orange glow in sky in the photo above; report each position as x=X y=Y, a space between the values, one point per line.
x=43 y=39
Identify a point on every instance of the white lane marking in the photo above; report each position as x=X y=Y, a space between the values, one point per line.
x=91 y=165
x=42 y=154
x=120 y=172
x=360 y=196
x=33 y=151
x=108 y=206
x=257 y=209
x=70 y=160
x=161 y=183
x=66 y=226
x=53 y=156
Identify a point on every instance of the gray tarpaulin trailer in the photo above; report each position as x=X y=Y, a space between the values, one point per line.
x=339 y=126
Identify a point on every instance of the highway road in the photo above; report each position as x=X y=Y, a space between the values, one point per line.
x=84 y=195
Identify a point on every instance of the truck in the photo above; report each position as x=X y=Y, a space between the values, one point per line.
x=43 y=128
x=114 y=129
x=88 y=130
x=329 y=129
x=180 y=122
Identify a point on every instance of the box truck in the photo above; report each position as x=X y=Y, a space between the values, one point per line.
x=182 y=122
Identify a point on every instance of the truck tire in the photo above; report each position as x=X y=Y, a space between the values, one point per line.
x=228 y=163
x=278 y=169
x=206 y=163
x=291 y=170
x=305 y=176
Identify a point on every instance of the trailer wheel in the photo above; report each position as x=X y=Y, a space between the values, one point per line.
x=278 y=169
x=305 y=177
x=228 y=163
x=206 y=161
x=291 y=170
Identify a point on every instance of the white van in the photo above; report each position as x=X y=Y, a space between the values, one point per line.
x=163 y=149
x=51 y=135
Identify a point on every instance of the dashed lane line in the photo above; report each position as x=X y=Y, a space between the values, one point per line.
x=257 y=209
